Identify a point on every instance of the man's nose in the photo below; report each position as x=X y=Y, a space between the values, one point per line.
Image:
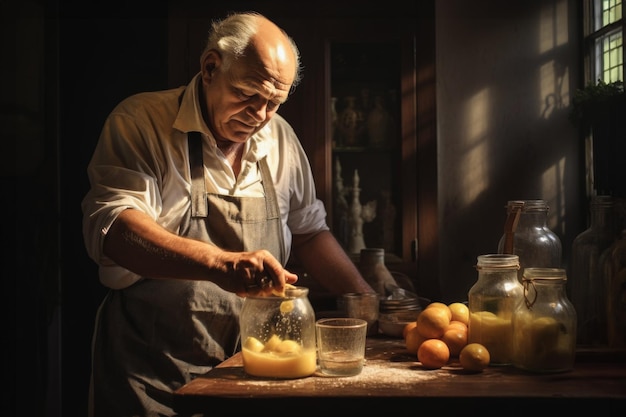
x=258 y=109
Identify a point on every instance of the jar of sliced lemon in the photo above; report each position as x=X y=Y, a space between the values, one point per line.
x=278 y=335
x=544 y=324
x=491 y=301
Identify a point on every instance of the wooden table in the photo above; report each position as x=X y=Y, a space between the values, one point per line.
x=393 y=383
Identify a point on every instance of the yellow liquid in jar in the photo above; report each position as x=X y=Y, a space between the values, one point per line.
x=279 y=365
x=494 y=333
x=542 y=344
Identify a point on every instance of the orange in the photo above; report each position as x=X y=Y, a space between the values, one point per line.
x=433 y=354
x=443 y=306
x=456 y=339
x=474 y=357
x=460 y=312
x=432 y=322
x=408 y=327
x=455 y=324
x=413 y=340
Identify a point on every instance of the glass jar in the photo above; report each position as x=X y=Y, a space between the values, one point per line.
x=613 y=264
x=527 y=235
x=544 y=324
x=396 y=312
x=492 y=300
x=585 y=286
x=278 y=335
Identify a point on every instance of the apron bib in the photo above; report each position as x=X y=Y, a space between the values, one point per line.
x=156 y=335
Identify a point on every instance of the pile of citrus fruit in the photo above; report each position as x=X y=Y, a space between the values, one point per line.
x=440 y=333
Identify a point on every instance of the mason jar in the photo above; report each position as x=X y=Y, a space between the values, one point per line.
x=278 y=335
x=544 y=323
x=491 y=302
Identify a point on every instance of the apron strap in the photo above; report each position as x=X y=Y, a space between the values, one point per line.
x=271 y=202
x=199 y=205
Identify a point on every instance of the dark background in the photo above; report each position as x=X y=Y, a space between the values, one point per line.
x=66 y=64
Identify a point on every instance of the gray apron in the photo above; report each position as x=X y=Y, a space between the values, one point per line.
x=156 y=335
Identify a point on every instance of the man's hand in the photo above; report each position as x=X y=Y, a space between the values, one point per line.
x=256 y=273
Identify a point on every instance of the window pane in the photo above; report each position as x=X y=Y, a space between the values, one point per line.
x=608 y=49
x=606 y=12
x=609 y=57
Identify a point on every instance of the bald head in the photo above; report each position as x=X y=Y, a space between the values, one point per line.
x=270 y=49
x=252 y=35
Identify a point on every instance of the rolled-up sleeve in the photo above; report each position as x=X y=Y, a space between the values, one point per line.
x=307 y=214
x=122 y=174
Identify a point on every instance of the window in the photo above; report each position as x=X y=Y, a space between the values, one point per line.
x=600 y=103
x=604 y=41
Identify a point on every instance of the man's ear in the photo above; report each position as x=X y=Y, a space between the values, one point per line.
x=210 y=61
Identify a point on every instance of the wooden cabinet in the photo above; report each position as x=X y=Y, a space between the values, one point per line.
x=371 y=197
x=380 y=59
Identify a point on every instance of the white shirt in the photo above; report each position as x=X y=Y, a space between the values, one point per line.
x=141 y=161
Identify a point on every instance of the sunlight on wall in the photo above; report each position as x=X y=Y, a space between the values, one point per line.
x=553 y=78
x=553 y=27
x=553 y=191
x=554 y=95
x=473 y=168
x=553 y=89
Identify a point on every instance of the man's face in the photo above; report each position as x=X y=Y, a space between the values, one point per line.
x=242 y=99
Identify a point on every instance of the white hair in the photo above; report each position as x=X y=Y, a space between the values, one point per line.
x=231 y=36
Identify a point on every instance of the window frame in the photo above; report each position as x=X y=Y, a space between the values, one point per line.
x=591 y=36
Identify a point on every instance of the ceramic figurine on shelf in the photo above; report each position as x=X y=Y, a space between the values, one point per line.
x=350 y=123
x=359 y=214
x=379 y=123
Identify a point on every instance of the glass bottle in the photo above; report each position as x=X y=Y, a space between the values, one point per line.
x=544 y=323
x=527 y=235
x=278 y=335
x=613 y=264
x=585 y=286
x=374 y=271
x=492 y=300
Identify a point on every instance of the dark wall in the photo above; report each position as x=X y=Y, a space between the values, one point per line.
x=102 y=60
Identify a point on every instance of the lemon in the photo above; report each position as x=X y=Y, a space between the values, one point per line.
x=474 y=357
x=286 y=307
x=288 y=347
x=460 y=312
x=272 y=344
x=253 y=344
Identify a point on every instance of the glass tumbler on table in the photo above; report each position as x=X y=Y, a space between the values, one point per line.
x=341 y=345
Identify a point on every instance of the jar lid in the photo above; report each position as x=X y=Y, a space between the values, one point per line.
x=403 y=304
x=548 y=274
x=498 y=260
x=601 y=201
x=527 y=205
